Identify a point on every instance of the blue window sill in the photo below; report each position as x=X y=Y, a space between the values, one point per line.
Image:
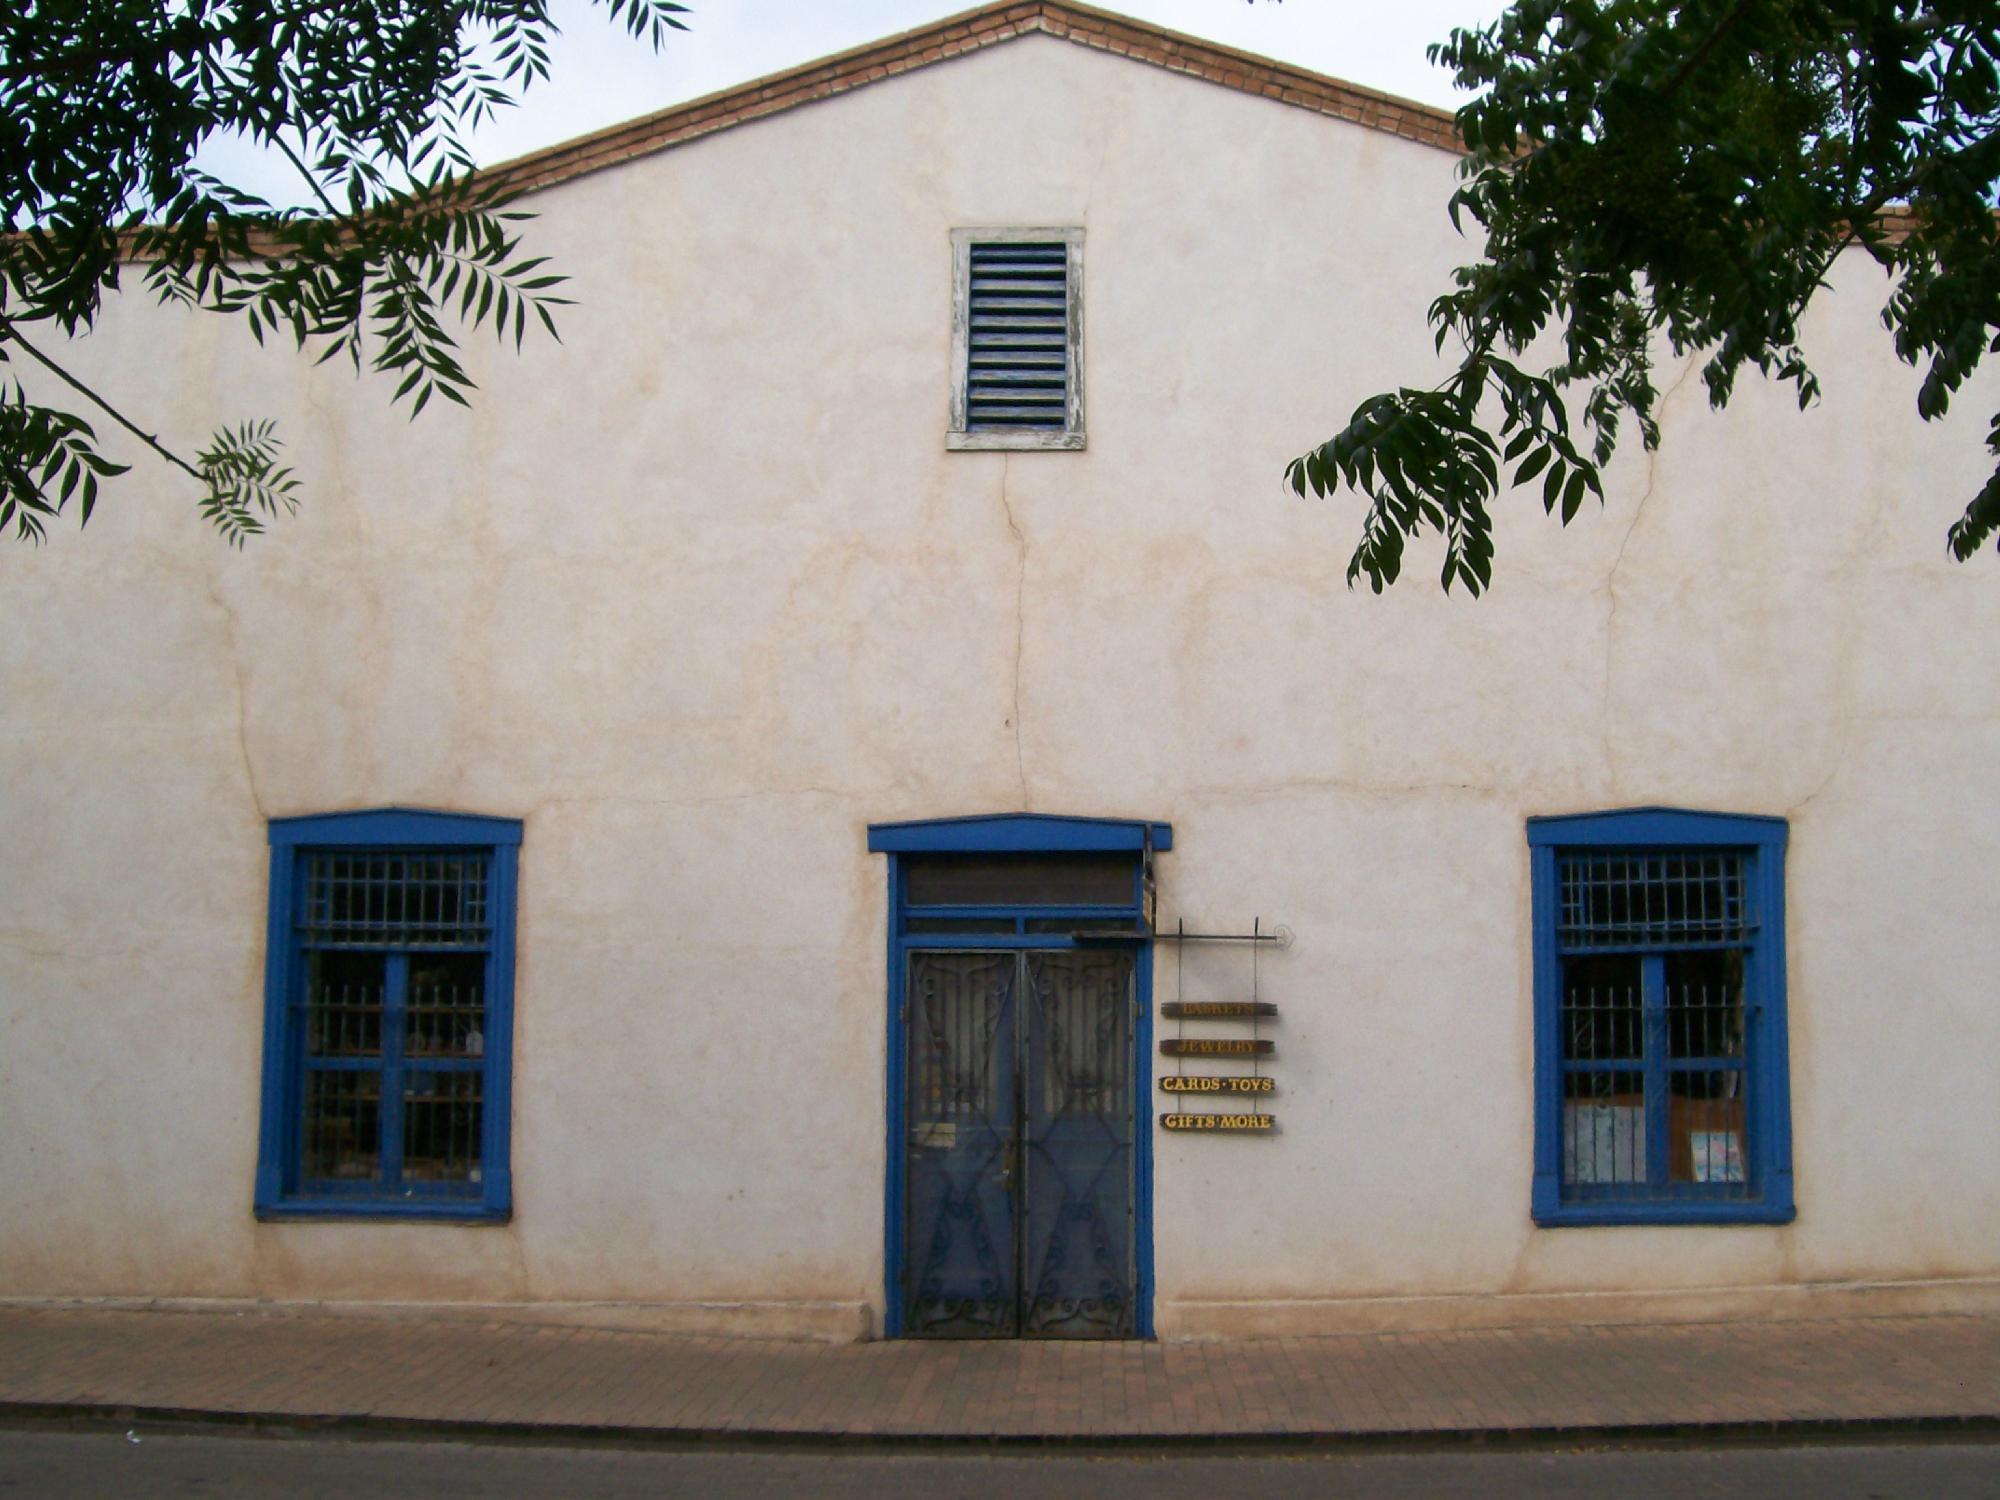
x=382 y=1211
x=1574 y=1215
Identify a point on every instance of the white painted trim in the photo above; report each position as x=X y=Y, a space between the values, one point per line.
x=973 y=442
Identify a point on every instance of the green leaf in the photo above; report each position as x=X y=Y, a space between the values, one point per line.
x=1572 y=496
x=1535 y=464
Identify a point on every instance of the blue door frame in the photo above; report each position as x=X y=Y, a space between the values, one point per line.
x=1018 y=833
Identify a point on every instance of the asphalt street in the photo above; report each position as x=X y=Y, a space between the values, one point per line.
x=44 y=1462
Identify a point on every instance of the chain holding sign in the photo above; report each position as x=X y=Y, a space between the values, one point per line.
x=1254 y=1010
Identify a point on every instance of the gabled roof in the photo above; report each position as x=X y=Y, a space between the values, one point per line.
x=956 y=36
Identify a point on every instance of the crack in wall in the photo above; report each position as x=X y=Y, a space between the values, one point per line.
x=1020 y=626
x=1839 y=757
x=1617 y=562
x=242 y=697
x=1848 y=626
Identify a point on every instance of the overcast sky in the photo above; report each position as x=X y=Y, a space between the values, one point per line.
x=600 y=76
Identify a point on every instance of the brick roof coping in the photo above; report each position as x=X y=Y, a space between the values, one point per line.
x=968 y=32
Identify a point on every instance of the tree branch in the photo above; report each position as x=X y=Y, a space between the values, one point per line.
x=319 y=192
x=1696 y=57
x=12 y=334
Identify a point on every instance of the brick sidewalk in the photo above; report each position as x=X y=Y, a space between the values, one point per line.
x=446 y=1374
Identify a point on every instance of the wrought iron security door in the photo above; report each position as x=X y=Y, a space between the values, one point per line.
x=1018 y=1106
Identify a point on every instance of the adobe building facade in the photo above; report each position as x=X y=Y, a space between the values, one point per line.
x=679 y=841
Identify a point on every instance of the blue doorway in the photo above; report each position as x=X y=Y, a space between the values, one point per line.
x=1019 y=1161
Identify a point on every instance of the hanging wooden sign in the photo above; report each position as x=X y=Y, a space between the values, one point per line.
x=1216 y=1010
x=1209 y=1083
x=1215 y=1046
x=1217 y=1122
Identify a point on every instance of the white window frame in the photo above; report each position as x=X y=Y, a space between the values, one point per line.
x=961 y=438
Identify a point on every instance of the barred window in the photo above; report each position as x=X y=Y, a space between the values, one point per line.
x=388 y=1004
x=1660 y=1028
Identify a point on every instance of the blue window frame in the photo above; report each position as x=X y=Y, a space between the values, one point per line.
x=388 y=1021
x=1662 y=1092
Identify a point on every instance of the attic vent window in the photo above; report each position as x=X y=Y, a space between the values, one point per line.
x=1017 y=338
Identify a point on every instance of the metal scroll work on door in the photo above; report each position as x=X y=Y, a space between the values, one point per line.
x=1019 y=1162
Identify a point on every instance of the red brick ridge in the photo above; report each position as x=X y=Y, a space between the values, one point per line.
x=965 y=33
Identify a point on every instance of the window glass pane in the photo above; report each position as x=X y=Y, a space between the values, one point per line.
x=1705 y=1117
x=1604 y=1127
x=445 y=1013
x=1624 y=900
x=1602 y=1009
x=959 y=924
x=394 y=900
x=958 y=1004
x=343 y=1128
x=1705 y=1106
x=344 y=993
x=1082 y=1031
x=1105 y=925
x=1021 y=880
x=1705 y=1004
x=441 y=1123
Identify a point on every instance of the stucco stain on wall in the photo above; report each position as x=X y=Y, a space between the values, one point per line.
x=1013 y=719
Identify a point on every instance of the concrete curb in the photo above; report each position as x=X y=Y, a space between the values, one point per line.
x=95 y=1416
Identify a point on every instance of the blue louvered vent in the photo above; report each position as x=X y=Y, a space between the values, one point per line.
x=1017 y=366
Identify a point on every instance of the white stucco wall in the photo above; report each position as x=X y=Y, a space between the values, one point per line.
x=699 y=594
